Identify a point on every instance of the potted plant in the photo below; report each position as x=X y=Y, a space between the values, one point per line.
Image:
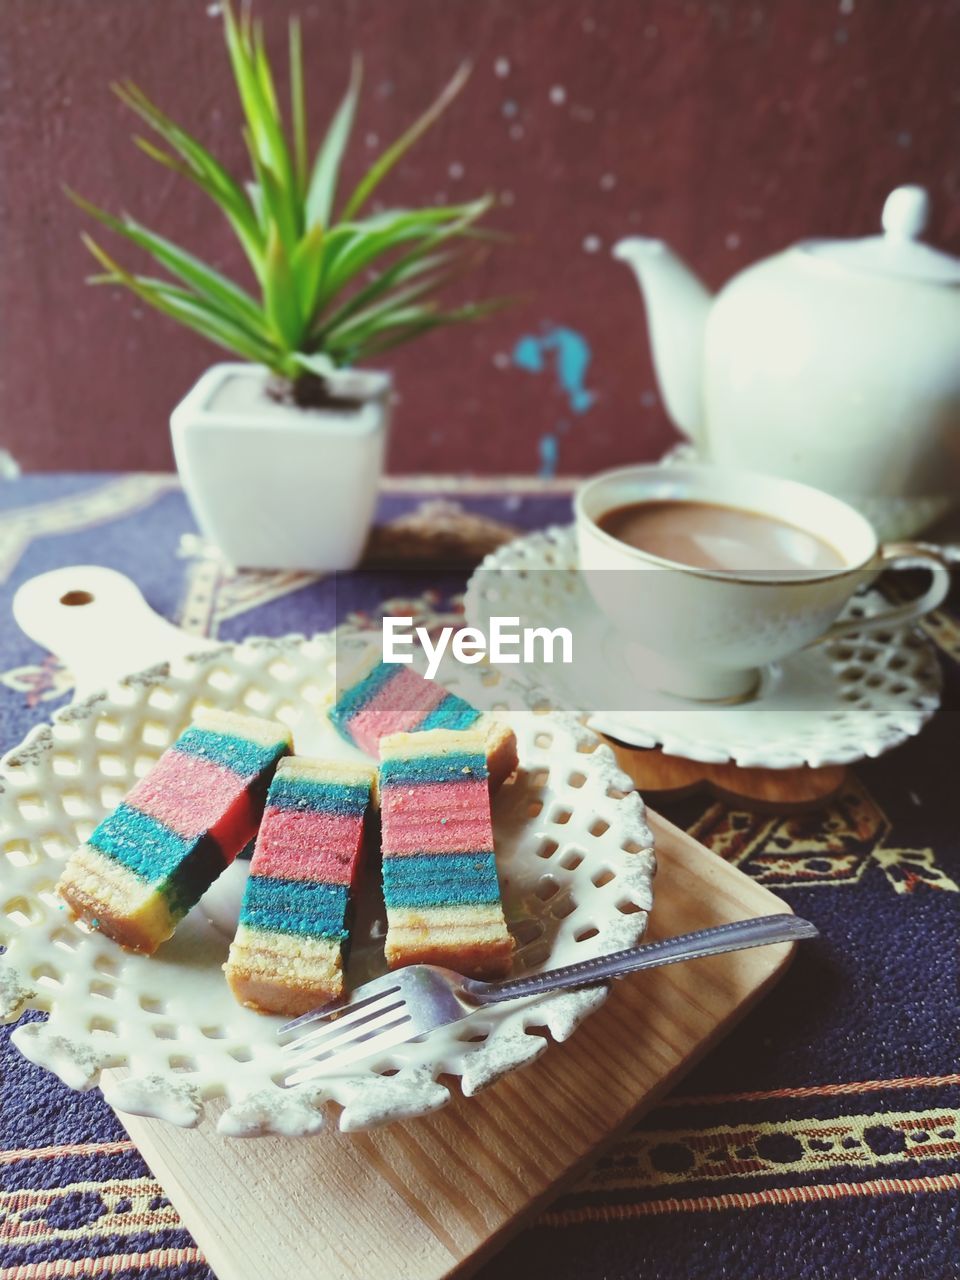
x=280 y=456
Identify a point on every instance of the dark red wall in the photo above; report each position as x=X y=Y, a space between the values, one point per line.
x=731 y=129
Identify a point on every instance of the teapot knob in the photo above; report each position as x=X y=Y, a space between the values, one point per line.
x=905 y=213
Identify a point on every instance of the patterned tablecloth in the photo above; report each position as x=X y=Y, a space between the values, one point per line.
x=819 y=1140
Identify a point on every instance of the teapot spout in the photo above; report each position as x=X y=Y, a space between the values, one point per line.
x=677 y=306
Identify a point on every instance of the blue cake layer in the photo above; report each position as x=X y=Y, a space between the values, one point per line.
x=181 y=869
x=353 y=700
x=350 y=798
x=458 y=766
x=451 y=713
x=295 y=906
x=243 y=757
x=440 y=879
x=143 y=845
x=194 y=876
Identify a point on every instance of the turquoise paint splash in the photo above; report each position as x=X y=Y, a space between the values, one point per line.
x=571 y=360
x=549 y=456
x=570 y=355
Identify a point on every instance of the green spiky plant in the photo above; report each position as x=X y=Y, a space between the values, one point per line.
x=333 y=286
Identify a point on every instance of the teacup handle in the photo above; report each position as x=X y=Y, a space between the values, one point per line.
x=902 y=555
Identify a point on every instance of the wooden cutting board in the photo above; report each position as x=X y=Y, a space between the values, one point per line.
x=431 y=1198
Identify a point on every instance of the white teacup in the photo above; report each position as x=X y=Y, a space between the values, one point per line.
x=705 y=634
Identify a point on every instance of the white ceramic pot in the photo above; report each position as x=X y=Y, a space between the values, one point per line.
x=278 y=487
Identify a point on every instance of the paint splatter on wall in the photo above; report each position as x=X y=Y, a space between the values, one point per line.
x=567 y=354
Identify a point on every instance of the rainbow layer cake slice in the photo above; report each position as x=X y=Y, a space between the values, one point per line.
x=149 y=861
x=287 y=956
x=440 y=881
x=379 y=698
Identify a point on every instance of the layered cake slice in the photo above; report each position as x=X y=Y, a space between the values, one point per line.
x=152 y=859
x=379 y=698
x=440 y=881
x=287 y=956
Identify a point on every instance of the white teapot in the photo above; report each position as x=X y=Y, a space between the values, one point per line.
x=836 y=362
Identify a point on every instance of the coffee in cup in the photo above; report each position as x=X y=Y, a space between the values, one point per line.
x=707 y=535
x=710 y=574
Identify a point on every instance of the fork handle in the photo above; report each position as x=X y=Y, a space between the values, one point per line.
x=760 y=932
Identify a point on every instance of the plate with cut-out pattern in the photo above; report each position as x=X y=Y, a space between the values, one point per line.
x=573 y=851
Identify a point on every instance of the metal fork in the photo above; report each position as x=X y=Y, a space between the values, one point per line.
x=408 y=1003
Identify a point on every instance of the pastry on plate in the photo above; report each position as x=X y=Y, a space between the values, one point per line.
x=376 y=698
x=287 y=956
x=440 y=881
x=149 y=861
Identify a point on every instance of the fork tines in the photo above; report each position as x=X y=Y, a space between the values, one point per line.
x=346 y=1030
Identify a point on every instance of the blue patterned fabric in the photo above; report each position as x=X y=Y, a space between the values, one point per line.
x=819 y=1141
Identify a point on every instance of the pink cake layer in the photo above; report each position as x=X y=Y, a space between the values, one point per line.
x=401 y=704
x=438 y=817
x=299 y=844
x=191 y=795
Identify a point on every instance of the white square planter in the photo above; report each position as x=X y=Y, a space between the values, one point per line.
x=277 y=487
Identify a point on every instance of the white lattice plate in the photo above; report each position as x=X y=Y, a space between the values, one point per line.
x=573 y=849
x=835 y=703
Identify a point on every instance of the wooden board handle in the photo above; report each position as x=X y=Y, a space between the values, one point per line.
x=98 y=624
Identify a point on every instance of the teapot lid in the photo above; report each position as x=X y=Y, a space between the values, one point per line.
x=899 y=251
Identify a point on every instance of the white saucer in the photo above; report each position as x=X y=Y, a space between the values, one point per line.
x=835 y=703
